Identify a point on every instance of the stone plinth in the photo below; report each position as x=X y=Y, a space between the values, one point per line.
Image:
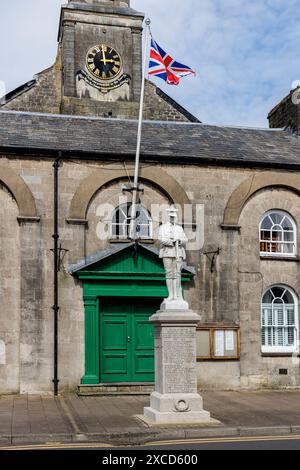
x=175 y=305
x=175 y=399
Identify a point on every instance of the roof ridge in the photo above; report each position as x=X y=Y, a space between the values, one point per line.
x=146 y=121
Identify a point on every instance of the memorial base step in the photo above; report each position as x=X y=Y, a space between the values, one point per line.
x=116 y=389
x=176 y=408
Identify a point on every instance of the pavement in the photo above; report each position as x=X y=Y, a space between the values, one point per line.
x=34 y=419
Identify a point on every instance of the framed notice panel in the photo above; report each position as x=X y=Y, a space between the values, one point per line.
x=218 y=342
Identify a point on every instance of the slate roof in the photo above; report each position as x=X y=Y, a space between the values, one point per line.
x=17 y=92
x=109 y=139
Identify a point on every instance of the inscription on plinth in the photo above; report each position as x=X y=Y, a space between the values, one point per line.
x=179 y=360
x=175 y=399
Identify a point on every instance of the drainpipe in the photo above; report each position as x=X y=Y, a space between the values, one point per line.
x=55 y=273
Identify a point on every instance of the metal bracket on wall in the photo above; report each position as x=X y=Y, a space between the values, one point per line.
x=61 y=255
x=213 y=258
x=130 y=188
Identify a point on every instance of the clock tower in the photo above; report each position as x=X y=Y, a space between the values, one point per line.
x=101 y=44
x=98 y=69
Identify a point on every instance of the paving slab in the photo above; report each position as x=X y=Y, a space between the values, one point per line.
x=38 y=419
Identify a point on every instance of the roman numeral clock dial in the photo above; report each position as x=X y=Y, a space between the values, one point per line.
x=104 y=62
x=104 y=72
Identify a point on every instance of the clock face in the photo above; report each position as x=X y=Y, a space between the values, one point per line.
x=104 y=62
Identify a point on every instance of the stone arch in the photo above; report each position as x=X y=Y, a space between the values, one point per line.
x=252 y=185
x=20 y=192
x=93 y=183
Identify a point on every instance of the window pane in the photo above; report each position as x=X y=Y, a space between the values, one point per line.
x=269 y=336
x=276 y=218
x=267 y=223
x=288 y=248
x=267 y=316
x=121 y=222
x=143 y=231
x=263 y=336
x=275 y=248
x=290 y=316
x=288 y=236
x=290 y=336
x=287 y=225
x=277 y=236
x=279 y=337
x=288 y=298
x=268 y=297
x=265 y=247
x=265 y=235
x=277 y=291
x=279 y=316
x=142 y=216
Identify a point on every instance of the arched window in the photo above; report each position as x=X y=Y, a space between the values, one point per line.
x=120 y=225
x=278 y=234
x=279 y=320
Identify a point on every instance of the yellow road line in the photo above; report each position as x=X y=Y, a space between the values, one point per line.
x=227 y=439
x=95 y=445
x=59 y=445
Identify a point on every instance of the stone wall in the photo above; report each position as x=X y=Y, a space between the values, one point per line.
x=155 y=107
x=256 y=275
x=231 y=294
x=111 y=196
x=10 y=287
x=45 y=97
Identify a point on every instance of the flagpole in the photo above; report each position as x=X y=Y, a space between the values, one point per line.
x=135 y=187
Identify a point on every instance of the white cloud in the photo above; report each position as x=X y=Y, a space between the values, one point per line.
x=245 y=53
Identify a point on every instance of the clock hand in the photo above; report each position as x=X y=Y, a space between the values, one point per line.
x=105 y=61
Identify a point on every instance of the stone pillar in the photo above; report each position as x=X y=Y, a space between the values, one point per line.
x=32 y=319
x=175 y=399
x=68 y=59
x=136 y=63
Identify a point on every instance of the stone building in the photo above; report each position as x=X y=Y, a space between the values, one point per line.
x=244 y=279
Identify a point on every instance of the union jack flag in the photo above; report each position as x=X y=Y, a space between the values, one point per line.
x=162 y=65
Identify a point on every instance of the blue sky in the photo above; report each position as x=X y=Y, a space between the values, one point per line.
x=245 y=51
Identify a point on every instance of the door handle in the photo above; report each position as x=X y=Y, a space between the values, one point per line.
x=128 y=339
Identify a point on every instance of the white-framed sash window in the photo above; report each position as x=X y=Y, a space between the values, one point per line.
x=279 y=321
x=278 y=234
x=120 y=224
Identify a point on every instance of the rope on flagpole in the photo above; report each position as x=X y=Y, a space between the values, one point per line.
x=135 y=188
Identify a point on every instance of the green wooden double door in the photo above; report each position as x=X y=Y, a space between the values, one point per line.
x=127 y=340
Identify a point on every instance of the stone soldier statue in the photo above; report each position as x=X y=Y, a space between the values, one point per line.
x=173 y=239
